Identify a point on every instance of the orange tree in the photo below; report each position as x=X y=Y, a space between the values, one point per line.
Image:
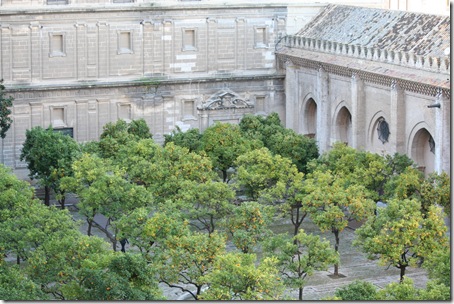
x=401 y=236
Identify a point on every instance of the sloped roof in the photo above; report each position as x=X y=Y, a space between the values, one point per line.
x=423 y=34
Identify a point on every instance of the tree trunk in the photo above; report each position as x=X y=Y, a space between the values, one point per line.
x=336 y=248
x=224 y=175
x=62 y=202
x=18 y=260
x=3 y=157
x=90 y=224
x=300 y=295
x=46 y=195
x=402 y=273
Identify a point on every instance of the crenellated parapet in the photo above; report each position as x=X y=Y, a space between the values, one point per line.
x=405 y=59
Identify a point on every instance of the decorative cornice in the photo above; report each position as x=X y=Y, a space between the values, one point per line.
x=380 y=79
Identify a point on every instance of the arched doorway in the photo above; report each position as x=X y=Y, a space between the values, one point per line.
x=423 y=151
x=310 y=119
x=344 y=126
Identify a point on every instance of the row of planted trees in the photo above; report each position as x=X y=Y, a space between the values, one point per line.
x=180 y=203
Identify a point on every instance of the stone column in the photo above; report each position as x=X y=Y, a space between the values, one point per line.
x=203 y=121
x=398 y=118
x=323 y=111
x=442 y=133
x=358 y=113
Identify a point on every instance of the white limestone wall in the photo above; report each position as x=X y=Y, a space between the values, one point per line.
x=405 y=112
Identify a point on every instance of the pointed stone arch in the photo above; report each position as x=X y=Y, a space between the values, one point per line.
x=343 y=125
x=378 y=137
x=422 y=148
x=308 y=119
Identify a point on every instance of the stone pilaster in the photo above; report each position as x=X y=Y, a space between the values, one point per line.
x=81 y=120
x=36 y=114
x=81 y=47
x=35 y=45
x=104 y=115
x=5 y=51
x=442 y=134
x=168 y=49
x=212 y=48
x=147 y=32
x=358 y=113
x=398 y=118
x=92 y=120
x=103 y=49
x=291 y=97
x=323 y=111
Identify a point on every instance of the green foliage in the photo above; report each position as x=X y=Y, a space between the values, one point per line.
x=190 y=139
x=30 y=226
x=140 y=129
x=235 y=276
x=357 y=291
x=127 y=277
x=5 y=104
x=56 y=262
x=249 y=225
x=400 y=236
x=15 y=286
x=300 y=257
x=103 y=188
x=149 y=233
x=14 y=193
x=49 y=156
x=118 y=134
x=404 y=291
x=438 y=265
x=435 y=291
x=411 y=183
x=279 y=140
x=186 y=259
x=223 y=143
x=164 y=171
x=299 y=148
x=205 y=203
x=272 y=179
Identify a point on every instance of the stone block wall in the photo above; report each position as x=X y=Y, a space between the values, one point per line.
x=77 y=69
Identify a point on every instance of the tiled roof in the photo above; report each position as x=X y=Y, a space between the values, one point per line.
x=423 y=34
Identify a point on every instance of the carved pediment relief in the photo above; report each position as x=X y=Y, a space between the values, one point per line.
x=225 y=99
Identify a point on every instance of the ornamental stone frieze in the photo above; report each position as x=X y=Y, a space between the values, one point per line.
x=225 y=99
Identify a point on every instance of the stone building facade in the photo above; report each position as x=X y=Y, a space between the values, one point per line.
x=77 y=64
x=376 y=79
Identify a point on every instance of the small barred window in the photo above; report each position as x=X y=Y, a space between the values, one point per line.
x=383 y=130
